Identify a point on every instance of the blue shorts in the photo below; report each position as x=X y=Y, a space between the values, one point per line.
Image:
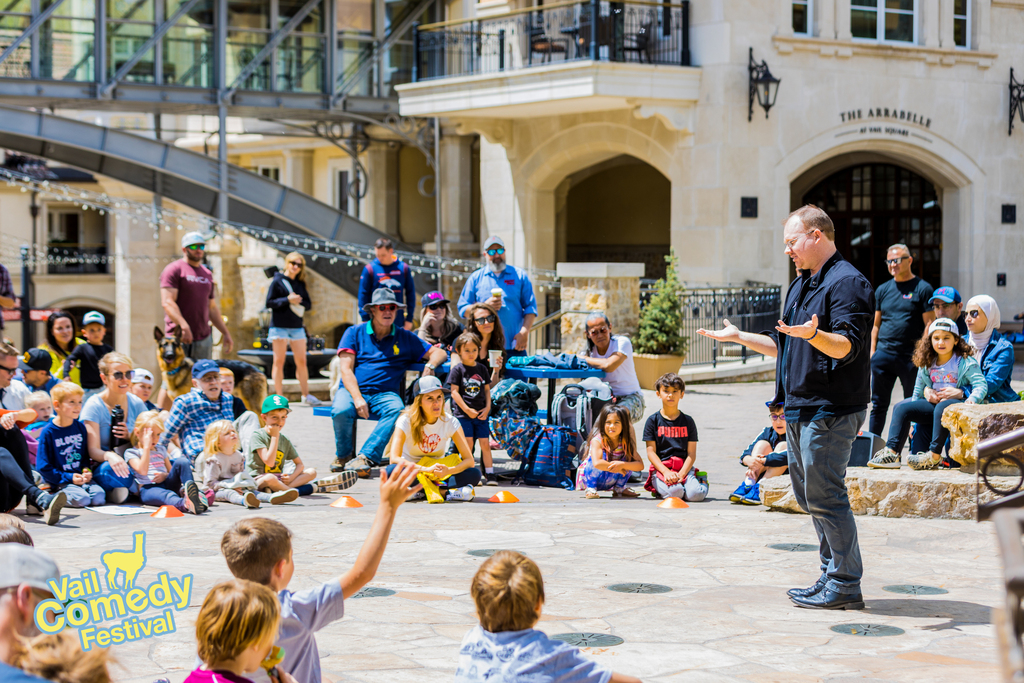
x=286 y=333
x=475 y=429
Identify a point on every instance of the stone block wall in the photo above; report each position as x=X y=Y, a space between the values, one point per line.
x=610 y=288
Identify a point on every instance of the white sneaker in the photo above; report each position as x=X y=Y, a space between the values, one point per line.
x=466 y=493
x=311 y=400
x=338 y=481
x=923 y=461
x=885 y=459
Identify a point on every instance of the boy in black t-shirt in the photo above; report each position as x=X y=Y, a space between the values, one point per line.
x=671 y=438
x=471 y=400
x=88 y=355
x=765 y=457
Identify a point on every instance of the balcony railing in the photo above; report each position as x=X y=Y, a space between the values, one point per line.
x=76 y=259
x=633 y=31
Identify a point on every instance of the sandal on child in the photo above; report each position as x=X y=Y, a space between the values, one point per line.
x=592 y=493
x=625 y=493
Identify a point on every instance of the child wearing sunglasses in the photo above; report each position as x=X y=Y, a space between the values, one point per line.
x=764 y=458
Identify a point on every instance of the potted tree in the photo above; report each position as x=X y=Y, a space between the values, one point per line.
x=660 y=346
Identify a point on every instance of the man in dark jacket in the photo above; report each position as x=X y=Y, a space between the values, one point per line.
x=387 y=271
x=823 y=375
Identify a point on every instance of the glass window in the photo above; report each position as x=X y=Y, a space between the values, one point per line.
x=802 y=23
x=885 y=20
x=962 y=23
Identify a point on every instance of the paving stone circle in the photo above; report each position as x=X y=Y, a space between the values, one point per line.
x=794 y=547
x=374 y=593
x=589 y=639
x=639 y=588
x=875 y=630
x=487 y=552
x=914 y=589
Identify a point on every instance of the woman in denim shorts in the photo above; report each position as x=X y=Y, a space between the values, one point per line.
x=288 y=301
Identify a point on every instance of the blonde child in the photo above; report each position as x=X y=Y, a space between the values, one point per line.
x=611 y=456
x=471 y=400
x=161 y=481
x=224 y=470
x=269 y=449
x=508 y=591
x=40 y=402
x=235 y=632
x=61 y=457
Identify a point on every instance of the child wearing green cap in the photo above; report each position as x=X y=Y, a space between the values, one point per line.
x=269 y=449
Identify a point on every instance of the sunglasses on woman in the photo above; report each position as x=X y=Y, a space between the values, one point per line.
x=295 y=263
x=118 y=376
x=484 y=321
x=436 y=307
x=972 y=314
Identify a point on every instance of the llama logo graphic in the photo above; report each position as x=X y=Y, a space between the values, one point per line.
x=124 y=565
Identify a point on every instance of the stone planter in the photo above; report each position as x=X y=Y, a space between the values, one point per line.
x=651 y=366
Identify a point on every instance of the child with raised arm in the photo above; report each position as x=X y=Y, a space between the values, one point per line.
x=161 y=481
x=509 y=594
x=671 y=438
x=224 y=470
x=235 y=633
x=62 y=457
x=471 y=400
x=269 y=449
x=260 y=549
x=611 y=455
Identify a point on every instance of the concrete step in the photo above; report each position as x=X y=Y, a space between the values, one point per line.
x=318 y=387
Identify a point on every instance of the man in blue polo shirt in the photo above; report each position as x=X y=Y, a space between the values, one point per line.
x=374 y=359
x=516 y=306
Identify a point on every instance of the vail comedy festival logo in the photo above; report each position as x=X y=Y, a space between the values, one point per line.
x=82 y=604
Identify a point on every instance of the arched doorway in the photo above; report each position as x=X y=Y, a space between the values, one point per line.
x=876 y=205
x=616 y=211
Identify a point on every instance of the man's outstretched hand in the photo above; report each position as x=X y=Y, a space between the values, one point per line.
x=805 y=331
x=396 y=488
x=729 y=333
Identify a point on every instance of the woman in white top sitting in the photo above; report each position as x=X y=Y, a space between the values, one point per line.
x=614 y=355
x=421 y=437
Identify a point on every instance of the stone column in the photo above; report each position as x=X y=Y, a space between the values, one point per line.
x=930 y=22
x=826 y=19
x=946 y=25
x=981 y=24
x=785 y=22
x=843 y=31
x=224 y=252
x=609 y=288
x=382 y=165
x=456 y=165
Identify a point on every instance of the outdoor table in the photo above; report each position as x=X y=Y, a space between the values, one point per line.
x=315 y=360
x=550 y=374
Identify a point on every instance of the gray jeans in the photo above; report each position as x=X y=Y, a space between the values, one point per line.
x=691 y=489
x=819 y=452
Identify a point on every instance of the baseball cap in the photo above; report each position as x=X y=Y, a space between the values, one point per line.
x=142 y=376
x=204 y=367
x=947 y=294
x=945 y=325
x=20 y=564
x=431 y=298
x=274 y=402
x=191 y=238
x=424 y=385
x=93 y=317
x=35 y=359
x=494 y=240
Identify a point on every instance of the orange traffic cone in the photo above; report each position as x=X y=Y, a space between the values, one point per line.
x=673 y=503
x=503 y=497
x=167 y=511
x=346 y=502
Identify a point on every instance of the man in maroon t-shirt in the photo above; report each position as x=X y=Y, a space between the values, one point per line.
x=188 y=296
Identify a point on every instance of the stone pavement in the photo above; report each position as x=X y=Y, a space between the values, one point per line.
x=726 y=619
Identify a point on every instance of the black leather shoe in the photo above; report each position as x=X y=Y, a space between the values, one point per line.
x=809 y=591
x=827 y=598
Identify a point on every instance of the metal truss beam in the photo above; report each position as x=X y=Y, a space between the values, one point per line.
x=32 y=28
x=271 y=45
x=161 y=30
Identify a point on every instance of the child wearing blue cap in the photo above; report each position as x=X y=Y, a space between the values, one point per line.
x=87 y=356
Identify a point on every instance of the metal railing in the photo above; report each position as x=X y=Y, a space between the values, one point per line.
x=546 y=333
x=76 y=259
x=752 y=308
x=1009 y=621
x=631 y=31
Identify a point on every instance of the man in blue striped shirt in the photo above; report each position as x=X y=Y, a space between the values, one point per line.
x=192 y=413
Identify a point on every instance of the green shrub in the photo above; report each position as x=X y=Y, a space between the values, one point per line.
x=661 y=321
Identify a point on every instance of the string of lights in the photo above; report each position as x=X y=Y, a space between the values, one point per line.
x=161 y=218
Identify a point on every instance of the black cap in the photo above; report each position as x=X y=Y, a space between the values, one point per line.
x=35 y=359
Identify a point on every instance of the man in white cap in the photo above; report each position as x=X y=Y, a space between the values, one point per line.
x=516 y=305
x=24 y=573
x=189 y=298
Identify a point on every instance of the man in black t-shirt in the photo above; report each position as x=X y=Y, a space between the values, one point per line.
x=902 y=313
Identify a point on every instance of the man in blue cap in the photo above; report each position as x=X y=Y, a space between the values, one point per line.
x=192 y=413
x=946 y=303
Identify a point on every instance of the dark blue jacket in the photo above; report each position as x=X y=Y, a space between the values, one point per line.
x=997 y=364
x=806 y=378
x=774 y=439
x=397 y=277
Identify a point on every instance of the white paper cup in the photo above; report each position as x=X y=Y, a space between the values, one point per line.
x=497 y=292
x=493 y=356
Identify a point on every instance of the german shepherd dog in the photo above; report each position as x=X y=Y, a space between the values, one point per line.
x=176 y=370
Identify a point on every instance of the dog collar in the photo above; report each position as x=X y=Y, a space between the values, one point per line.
x=175 y=371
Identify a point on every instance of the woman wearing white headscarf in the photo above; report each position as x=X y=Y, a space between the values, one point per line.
x=993 y=352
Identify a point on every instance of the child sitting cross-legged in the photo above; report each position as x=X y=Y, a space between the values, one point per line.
x=765 y=457
x=224 y=470
x=269 y=449
x=508 y=591
x=260 y=549
x=671 y=438
x=61 y=458
x=235 y=633
x=161 y=481
x=611 y=455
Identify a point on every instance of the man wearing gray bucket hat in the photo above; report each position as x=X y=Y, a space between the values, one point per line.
x=24 y=573
x=374 y=358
